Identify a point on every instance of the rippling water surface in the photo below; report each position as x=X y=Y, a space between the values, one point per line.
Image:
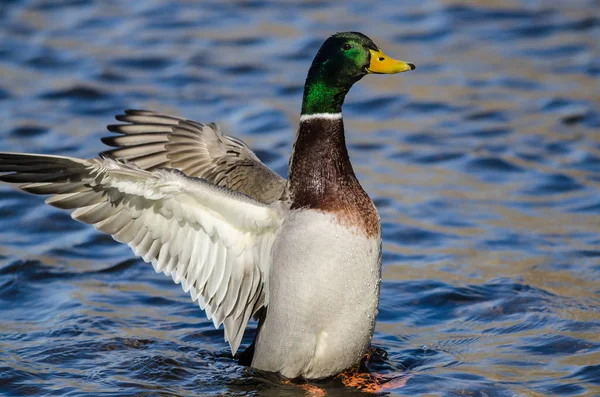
x=484 y=164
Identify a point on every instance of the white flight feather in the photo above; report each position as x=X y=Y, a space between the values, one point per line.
x=215 y=242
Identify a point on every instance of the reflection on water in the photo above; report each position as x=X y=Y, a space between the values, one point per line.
x=483 y=163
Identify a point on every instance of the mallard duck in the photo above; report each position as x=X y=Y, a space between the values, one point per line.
x=302 y=255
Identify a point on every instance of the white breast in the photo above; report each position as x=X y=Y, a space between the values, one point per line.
x=323 y=296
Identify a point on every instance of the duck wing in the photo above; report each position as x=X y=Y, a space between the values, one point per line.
x=215 y=241
x=153 y=140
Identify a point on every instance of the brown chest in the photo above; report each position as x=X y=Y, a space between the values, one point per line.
x=321 y=177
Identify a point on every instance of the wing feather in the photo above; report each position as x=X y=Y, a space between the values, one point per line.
x=152 y=140
x=213 y=241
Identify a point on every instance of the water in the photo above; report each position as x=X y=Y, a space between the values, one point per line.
x=484 y=164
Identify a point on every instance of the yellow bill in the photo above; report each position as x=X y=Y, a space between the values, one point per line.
x=381 y=63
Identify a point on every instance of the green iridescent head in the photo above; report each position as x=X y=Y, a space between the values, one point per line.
x=342 y=60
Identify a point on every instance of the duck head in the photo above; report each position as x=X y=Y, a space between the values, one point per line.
x=342 y=60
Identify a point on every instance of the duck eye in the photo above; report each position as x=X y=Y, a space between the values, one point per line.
x=346 y=47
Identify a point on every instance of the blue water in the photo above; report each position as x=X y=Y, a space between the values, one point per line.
x=484 y=164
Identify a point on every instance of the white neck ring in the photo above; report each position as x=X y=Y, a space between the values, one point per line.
x=322 y=116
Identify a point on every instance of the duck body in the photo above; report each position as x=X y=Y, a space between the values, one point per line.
x=331 y=236
x=318 y=329
x=304 y=255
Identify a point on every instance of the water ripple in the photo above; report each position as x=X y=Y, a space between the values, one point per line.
x=483 y=164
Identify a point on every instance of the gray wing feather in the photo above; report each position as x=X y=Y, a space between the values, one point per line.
x=152 y=140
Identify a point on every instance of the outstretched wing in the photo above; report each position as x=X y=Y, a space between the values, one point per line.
x=212 y=240
x=152 y=140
